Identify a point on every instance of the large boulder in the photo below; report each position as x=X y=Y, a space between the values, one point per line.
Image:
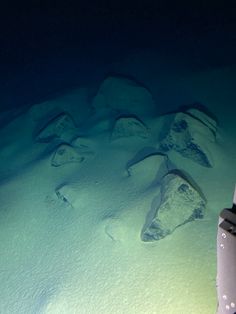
x=60 y=127
x=190 y=137
x=65 y=154
x=180 y=203
x=124 y=95
x=150 y=169
x=129 y=126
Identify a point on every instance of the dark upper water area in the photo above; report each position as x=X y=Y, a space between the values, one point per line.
x=49 y=47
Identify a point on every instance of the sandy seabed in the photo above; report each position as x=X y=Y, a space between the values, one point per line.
x=89 y=258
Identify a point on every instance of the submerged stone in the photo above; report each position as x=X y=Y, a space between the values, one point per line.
x=66 y=154
x=150 y=169
x=180 y=203
x=67 y=194
x=82 y=143
x=61 y=126
x=129 y=126
x=189 y=137
x=204 y=118
x=125 y=95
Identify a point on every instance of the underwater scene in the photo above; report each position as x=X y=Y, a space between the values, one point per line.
x=118 y=154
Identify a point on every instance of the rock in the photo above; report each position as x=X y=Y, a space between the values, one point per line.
x=66 y=154
x=150 y=169
x=82 y=143
x=124 y=95
x=190 y=137
x=61 y=126
x=204 y=118
x=115 y=229
x=67 y=194
x=180 y=203
x=129 y=126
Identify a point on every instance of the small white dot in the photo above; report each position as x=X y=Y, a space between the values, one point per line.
x=225 y=297
x=222 y=246
x=223 y=235
x=232 y=304
x=227 y=307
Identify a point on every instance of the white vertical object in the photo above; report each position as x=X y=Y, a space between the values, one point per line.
x=234 y=196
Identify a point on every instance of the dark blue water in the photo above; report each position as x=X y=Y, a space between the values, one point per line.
x=46 y=49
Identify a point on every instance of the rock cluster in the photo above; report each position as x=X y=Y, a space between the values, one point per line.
x=189 y=133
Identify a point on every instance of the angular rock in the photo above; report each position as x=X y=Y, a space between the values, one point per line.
x=180 y=203
x=67 y=194
x=124 y=95
x=204 y=118
x=62 y=126
x=82 y=143
x=190 y=137
x=129 y=126
x=66 y=154
x=150 y=169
